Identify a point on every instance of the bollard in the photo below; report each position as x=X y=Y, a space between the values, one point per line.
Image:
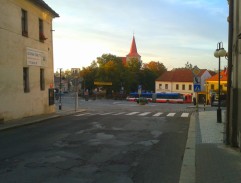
x=60 y=106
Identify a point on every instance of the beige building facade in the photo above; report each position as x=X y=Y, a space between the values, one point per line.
x=180 y=81
x=26 y=59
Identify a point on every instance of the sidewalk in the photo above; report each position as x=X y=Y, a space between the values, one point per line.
x=207 y=159
x=39 y=118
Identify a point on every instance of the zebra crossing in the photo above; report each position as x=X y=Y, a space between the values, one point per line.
x=135 y=113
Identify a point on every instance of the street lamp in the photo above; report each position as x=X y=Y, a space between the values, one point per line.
x=220 y=52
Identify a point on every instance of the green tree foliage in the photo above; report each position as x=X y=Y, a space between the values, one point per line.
x=110 y=68
x=156 y=67
x=188 y=65
x=132 y=79
x=150 y=72
x=89 y=74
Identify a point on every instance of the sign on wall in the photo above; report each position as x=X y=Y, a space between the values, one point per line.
x=36 y=57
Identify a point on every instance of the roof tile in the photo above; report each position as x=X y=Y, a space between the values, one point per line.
x=177 y=75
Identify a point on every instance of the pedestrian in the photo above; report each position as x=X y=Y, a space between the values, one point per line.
x=86 y=95
x=194 y=100
x=212 y=99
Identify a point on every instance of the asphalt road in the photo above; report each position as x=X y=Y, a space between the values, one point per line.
x=113 y=141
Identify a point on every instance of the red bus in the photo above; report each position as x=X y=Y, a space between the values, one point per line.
x=162 y=97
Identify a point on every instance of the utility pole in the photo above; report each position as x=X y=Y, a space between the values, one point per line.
x=75 y=72
x=60 y=89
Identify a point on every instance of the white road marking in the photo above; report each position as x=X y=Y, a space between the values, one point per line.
x=119 y=113
x=106 y=113
x=82 y=114
x=184 y=115
x=144 y=113
x=158 y=114
x=132 y=113
x=171 y=114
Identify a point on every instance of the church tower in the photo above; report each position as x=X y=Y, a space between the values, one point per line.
x=133 y=51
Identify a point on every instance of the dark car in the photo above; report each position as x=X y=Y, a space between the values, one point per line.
x=222 y=103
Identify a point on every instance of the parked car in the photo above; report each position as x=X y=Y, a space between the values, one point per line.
x=222 y=103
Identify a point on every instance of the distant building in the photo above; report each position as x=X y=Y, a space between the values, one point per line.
x=180 y=81
x=64 y=84
x=212 y=83
x=26 y=59
x=133 y=54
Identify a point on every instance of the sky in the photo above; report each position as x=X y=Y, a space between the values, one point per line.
x=172 y=32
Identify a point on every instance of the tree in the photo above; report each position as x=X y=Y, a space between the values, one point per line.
x=147 y=78
x=110 y=68
x=188 y=65
x=156 y=67
x=89 y=75
x=134 y=65
x=149 y=73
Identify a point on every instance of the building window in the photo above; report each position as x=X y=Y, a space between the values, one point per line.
x=212 y=86
x=177 y=86
x=160 y=86
x=190 y=87
x=26 y=79
x=24 y=23
x=42 y=37
x=166 y=86
x=42 y=81
x=183 y=87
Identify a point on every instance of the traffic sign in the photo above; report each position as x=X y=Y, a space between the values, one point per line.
x=197 y=87
x=139 y=89
x=196 y=80
x=196 y=71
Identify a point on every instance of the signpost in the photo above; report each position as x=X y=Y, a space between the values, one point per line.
x=196 y=83
x=139 y=91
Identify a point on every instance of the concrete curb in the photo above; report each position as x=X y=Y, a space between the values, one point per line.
x=188 y=170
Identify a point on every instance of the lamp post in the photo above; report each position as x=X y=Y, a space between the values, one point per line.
x=220 y=52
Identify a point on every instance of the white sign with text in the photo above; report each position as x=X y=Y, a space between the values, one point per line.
x=36 y=57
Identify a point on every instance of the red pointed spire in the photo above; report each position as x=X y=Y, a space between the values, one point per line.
x=133 y=50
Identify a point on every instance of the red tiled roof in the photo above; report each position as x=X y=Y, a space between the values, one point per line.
x=212 y=73
x=201 y=72
x=133 y=50
x=177 y=75
x=223 y=77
